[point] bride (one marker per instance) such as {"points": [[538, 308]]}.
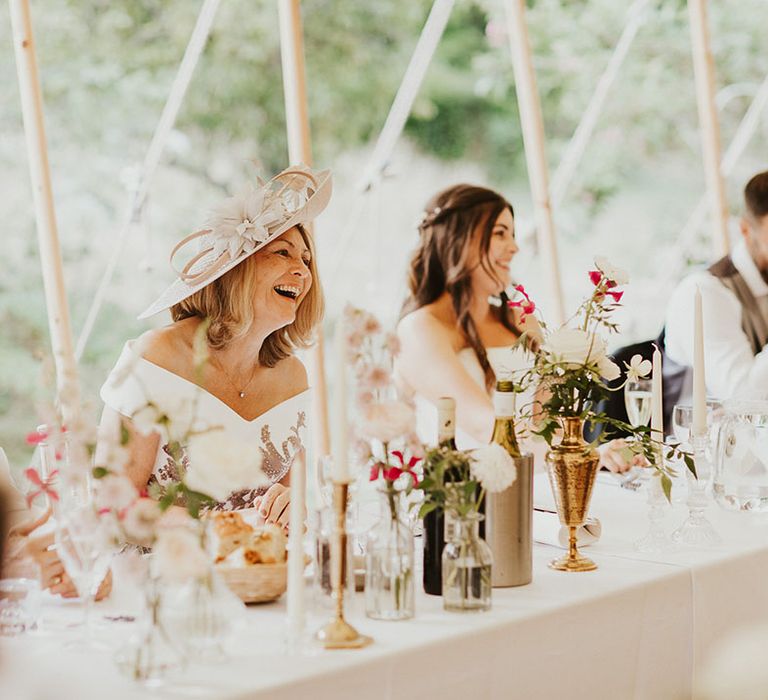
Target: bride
{"points": [[456, 330], [254, 281]]}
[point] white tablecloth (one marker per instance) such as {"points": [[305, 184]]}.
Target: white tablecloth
{"points": [[635, 628]]}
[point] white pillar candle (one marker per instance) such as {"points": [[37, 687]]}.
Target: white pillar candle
{"points": [[657, 415], [296, 603], [699, 426], [340, 442]]}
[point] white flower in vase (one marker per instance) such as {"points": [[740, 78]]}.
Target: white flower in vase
{"points": [[493, 467], [638, 368], [173, 417], [608, 368], [219, 466], [574, 347], [114, 492], [147, 419], [179, 555], [140, 521], [611, 272]]}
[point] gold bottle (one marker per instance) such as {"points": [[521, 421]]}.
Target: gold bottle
{"points": [[510, 513]]}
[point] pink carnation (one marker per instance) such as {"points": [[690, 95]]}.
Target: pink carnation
{"points": [[365, 397], [392, 344], [375, 377]]}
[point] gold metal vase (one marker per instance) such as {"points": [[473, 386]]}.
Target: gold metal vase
{"points": [[572, 466]]}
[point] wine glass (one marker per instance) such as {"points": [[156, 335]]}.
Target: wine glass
{"points": [[85, 548], [682, 421]]}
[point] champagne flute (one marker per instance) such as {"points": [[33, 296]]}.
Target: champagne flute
{"points": [[637, 400]]}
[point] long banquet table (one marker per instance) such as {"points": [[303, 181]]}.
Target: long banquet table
{"points": [[638, 627]]}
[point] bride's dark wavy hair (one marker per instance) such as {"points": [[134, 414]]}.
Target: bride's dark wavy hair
{"points": [[441, 264]]}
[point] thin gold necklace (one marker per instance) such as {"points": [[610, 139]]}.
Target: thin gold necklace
{"points": [[240, 391]]}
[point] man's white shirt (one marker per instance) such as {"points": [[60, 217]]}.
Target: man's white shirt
{"points": [[731, 368]]}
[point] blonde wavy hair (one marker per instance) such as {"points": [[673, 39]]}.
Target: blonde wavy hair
{"points": [[227, 303]]}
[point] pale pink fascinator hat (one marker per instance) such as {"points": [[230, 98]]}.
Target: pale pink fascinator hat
{"points": [[243, 224]]}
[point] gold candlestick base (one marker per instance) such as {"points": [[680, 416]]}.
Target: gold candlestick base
{"points": [[573, 561], [338, 633]]}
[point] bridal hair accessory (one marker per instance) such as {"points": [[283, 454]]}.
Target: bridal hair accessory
{"points": [[243, 224], [428, 217]]}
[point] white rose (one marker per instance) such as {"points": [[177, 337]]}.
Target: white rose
{"points": [[147, 419], [140, 520], [179, 556], [613, 273], [114, 492], [574, 347], [219, 465], [178, 416], [608, 368], [171, 416], [387, 420], [493, 467]]}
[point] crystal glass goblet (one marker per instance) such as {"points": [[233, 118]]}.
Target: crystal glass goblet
{"points": [[84, 545]]}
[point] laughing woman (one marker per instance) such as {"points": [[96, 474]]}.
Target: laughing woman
{"points": [[253, 280]]}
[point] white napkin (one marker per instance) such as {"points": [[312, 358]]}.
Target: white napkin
{"points": [[547, 529]]}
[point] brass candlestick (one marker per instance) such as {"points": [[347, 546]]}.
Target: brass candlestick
{"points": [[338, 633]]}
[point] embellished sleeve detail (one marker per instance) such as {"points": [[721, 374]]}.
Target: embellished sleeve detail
{"points": [[277, 457]]}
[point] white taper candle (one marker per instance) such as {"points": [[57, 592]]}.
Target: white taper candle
{"points": [[699, 426], [296, 603], [657, 414], [340, 439]]}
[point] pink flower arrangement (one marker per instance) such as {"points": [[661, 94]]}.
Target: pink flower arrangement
{"points": [[605, 278], [526, 304], [386, 422], [43, 487], [392, 473]]}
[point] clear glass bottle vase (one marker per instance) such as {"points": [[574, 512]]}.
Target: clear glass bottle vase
{"points": [[467, 562], [389, 562], [151, 653], [200, 613]]}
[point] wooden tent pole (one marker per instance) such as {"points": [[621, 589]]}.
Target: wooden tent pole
{"points": [[67, 383], [300, 151], [704, 71], [533, 138]]}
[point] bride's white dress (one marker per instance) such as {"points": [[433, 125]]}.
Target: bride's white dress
{"points": [[278, 432], [507, 360]]}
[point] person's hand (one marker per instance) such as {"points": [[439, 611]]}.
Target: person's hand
{"points": [[617, 456], [53, 575], [17, 561], [274, 505]]}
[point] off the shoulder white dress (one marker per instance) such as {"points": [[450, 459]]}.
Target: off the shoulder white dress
{"points": [[279, 432], [505, 361]]}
